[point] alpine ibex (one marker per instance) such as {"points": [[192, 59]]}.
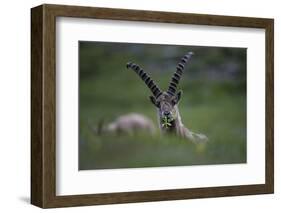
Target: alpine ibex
{"points": [[167, 102], [128, 124]]}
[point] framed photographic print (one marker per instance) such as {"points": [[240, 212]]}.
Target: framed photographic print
{"points": [[136, 106]]}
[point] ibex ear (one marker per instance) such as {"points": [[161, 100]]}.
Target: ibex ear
{"points": [[179, 95], [153, 100]]}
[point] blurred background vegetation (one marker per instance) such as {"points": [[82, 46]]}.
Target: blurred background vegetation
{"points": [[213, 103]]}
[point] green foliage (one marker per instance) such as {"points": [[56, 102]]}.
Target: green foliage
{"points": [[213, 103], [166, 122]]}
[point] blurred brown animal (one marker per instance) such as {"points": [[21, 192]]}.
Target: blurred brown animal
{"points": [[130, 124]]}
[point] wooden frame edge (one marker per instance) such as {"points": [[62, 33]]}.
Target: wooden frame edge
{"points": [[36, 106], [269, 121]]}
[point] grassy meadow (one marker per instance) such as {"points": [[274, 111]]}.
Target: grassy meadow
{"points": [[213, 103]]}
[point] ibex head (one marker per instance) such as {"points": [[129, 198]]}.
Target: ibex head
{"points": [[165, 101]]}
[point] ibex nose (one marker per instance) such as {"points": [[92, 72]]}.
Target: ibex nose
{"points": [[166, 113]]}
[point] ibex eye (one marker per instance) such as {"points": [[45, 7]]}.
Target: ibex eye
{"points": [[158, 104]]}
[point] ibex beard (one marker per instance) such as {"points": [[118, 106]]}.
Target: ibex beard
{"points": [[166, 102]]}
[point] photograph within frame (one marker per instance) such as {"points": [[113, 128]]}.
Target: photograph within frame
{"points": [[119, 127]]}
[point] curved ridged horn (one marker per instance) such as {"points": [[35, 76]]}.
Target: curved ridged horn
{"points": [[146, 78], [177, 75]]}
